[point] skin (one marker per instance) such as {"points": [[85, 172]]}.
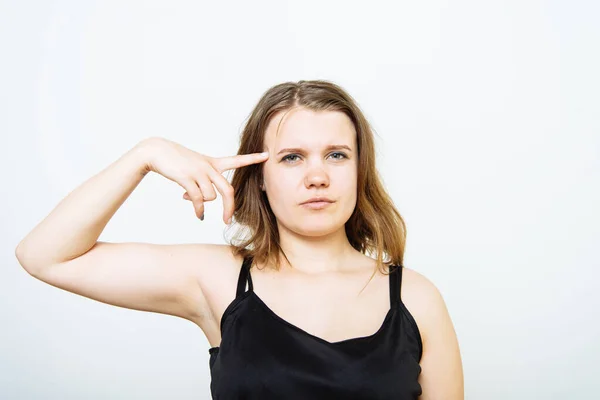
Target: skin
{"points": [[314, 240]]}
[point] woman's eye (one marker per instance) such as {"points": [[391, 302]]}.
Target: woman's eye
{"points": [[289, 156], [342, 154]]}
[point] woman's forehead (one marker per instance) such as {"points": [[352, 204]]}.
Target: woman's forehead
{"points": [[307, 128]]}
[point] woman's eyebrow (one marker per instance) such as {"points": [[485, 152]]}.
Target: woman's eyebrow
{"points": [[330, 147]]}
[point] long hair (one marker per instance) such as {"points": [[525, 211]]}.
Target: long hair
{"points": [[375, 226]]}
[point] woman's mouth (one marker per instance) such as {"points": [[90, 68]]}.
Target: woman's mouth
{"points": [[317, 205]]}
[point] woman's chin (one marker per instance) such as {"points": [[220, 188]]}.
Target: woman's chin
{"points": [[316, 229]]}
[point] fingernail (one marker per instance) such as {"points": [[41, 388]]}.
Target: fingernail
{"points": [[202, 217], [229, 221]]}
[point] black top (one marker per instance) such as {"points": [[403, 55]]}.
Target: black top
{"points": [[263, 356]]}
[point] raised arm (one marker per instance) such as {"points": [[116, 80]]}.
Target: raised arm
{"points": [[63, 249]]}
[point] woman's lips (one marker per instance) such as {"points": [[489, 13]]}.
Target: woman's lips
{"points": [[317, 205]]}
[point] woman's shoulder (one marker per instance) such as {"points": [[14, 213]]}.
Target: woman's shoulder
{"points": [[423, 300], [216, 264], [441, 359]]}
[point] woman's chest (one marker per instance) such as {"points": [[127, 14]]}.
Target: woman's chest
{"points": [[331, 308]]}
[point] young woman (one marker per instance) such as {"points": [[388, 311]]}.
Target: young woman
{"points": [[310, 300]]}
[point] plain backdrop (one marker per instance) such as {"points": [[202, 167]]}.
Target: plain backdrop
{"points": [[487, 129]]}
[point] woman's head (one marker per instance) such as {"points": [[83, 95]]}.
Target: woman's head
{"points": [[298, 123], [312, 154]]}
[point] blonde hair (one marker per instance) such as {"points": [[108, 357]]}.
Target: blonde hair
{"points": [[375, 226]]}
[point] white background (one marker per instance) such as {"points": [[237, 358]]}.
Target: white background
{"points": [[487, 122]]}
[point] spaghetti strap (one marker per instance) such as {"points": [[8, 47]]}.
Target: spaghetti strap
{"points": [[244, 276], [395, 278]]}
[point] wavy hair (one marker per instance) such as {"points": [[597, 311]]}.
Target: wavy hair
{"points": [[375, 226]]}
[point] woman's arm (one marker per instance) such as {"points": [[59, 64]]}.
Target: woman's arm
{"points": [[63, 251], [441, 375], [75, 224]]}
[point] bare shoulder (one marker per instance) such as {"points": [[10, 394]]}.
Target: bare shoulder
{"points": [[441, 362], [216, 268], [422, 298], [214, 265], [211, 267], [207, 262]]}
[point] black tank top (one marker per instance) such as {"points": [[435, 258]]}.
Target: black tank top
{"points": [[263, 356]]}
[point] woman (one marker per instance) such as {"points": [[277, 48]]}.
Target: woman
{"points": [[295, 306]]}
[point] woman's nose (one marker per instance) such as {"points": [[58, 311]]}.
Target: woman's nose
{"points": [[316, 177]]}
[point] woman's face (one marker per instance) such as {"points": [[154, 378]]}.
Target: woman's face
{"points": [[302, 165]]}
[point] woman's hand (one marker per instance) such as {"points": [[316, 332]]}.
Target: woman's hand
{"points": [[197, 173]]}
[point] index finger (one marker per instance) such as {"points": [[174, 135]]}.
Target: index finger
{"points": [[241, 160]]}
